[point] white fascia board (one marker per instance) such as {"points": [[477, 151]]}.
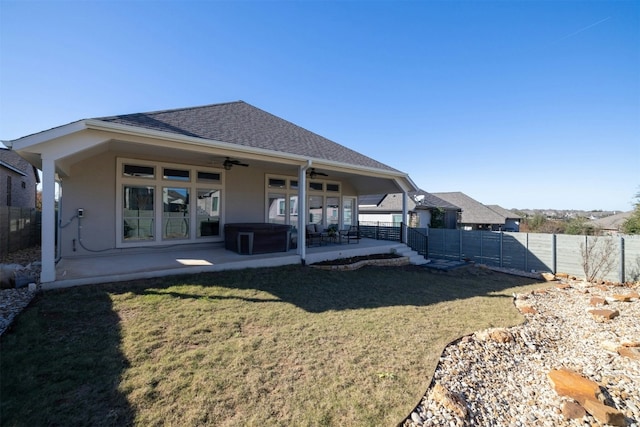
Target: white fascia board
{"points": [[41, 137]]}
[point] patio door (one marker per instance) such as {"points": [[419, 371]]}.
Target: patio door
{"points": [[162, 202]]}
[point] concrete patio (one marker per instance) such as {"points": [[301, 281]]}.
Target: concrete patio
{"points": [[188, 259]]}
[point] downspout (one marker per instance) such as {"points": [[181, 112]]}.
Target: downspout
{"points": [[302, 211]]}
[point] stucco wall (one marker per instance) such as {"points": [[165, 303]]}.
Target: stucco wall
{"points": [[91, 187]]}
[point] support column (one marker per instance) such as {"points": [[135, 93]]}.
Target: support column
{"points": [[302, 211], [48, 231], [405, 220]]}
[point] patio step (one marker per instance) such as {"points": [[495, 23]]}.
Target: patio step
{"points": [[414, 257]]}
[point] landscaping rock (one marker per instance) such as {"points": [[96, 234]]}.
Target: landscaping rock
{"points": [[601, 315], [508, 384], [572, 411], [570, 383]]}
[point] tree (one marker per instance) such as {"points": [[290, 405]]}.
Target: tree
{"points": [[598, 257], [632, 224], [580, 226]]}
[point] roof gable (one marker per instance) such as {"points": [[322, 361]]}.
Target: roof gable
{"points": [[504, 212], [427, 200], [243, 124], [473, 212]]}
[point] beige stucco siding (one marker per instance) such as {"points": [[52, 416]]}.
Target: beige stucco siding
{"points": [[244, 195], [90, 186]]}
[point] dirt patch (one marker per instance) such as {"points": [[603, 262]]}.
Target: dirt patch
{"points": [[353, 260]]}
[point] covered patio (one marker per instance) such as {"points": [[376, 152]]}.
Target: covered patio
{"points": [[133, 264]]}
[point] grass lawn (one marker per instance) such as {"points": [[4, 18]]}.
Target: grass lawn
{"points": [[278, 346]]}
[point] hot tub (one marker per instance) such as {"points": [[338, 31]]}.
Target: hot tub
{"points": [[257, 238]]}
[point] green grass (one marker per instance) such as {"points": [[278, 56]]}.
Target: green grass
{"points": [[280, 346]]}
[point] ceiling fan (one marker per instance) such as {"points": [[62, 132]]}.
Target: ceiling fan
{"points": [[229, 163], [313, 173]]}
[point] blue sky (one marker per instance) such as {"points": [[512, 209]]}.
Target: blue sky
{"points": [[525, 104]]}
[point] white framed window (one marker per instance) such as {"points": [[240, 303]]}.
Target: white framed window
{"points": [[282, 200], [159, 203]]}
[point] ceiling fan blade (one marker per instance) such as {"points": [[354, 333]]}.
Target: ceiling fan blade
{"points": [[229, 163], [315, 173]]}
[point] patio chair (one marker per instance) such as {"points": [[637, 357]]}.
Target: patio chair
{"points": [[314, 234], [350, 233]]}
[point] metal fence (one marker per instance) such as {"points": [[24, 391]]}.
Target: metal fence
{"points": [[380, 230], [539, 252], [418, 241], [19, 228]]}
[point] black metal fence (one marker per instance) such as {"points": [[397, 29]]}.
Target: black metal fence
{"points": [[418, 240], [380, 230]]}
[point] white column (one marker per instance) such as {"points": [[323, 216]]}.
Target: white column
{"points": [[48, 246], [405, 220], [302, 211]]}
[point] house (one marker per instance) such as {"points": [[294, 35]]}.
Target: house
{"points": [[612, 224], [476, 216], [511, 219], [176, 177], [18, 180], [424, 210]]}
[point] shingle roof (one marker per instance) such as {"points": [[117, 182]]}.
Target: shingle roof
{"points": [[371, 199], [612, 222], [243, 124], [504, 212], [429, 200], [393, 202], [473, 212]]}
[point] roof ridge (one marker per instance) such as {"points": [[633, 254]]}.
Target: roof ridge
{"points": [[172, 110]]}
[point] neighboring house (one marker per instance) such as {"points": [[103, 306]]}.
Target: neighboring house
{"points": [[178, 176], [18, 180], [612, 224], [511, 219], [423, 210], [476, 216]]}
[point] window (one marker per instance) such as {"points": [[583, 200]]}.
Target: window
{"points": [[208, 177], [138, 213], [208, 214], [323, 202], [138, 171], [176, 174], [282, 200], [348, 206], [175, 218], [333, 211], [317, 186], [181, 203], [277, 183], [315, 209]]}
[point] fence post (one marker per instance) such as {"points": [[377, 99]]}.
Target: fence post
{"points": [[621, 270], [526, 254], [501, 243], [460, 247], [554, 254]]}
